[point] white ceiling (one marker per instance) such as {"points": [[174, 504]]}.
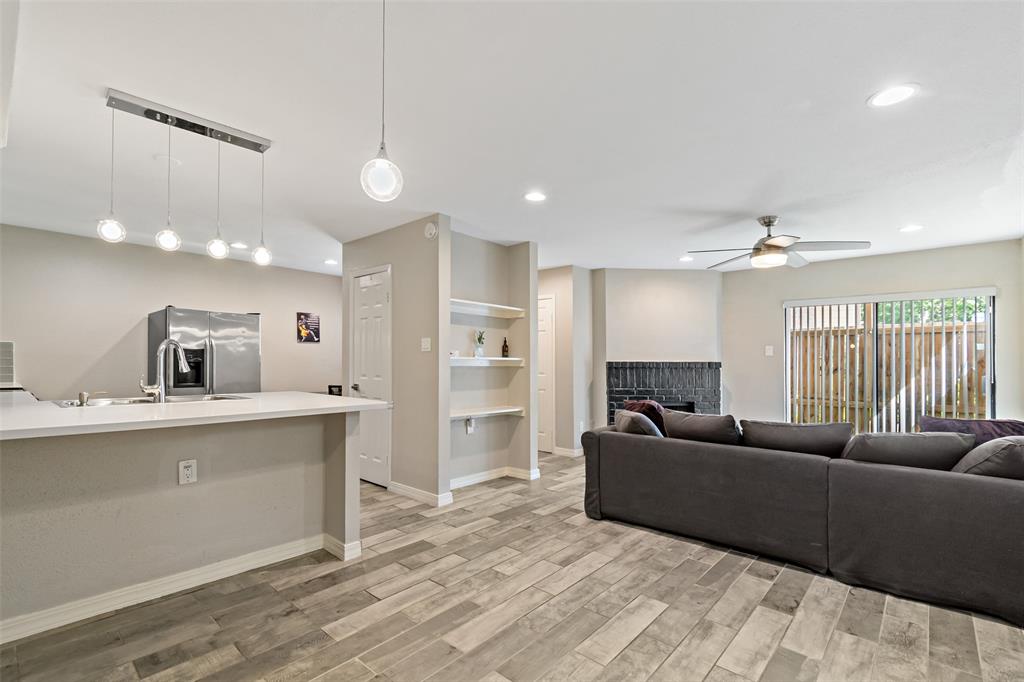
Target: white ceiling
{"points": [[653, 127]]}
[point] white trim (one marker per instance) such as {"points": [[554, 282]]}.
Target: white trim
{"points": [[500, 472], [905, 296], [568, 452], [342, 550], [421, 495], [27, 624]]}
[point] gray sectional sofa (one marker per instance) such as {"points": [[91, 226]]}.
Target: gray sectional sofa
{"points": [[940, 536]]}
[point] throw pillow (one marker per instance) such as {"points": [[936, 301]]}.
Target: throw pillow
{"points": [[707, 428], [984, 430], [815, 439], [1003, 457], [650, 409], [920, 450], [634, 422]]}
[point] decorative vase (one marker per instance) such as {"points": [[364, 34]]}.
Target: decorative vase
{"points": [[478, 352]]}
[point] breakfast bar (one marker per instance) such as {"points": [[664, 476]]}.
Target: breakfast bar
{"points": [[93, 517]]}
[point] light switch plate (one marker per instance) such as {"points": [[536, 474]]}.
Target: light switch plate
{"points": [[425, 344], [769, 351], [188, 472]]}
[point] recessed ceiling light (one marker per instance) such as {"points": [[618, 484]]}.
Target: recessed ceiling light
{"points": [[893, 95], [911, 228], [330, 261], [685, 259], [239, 245], [535, 196]]}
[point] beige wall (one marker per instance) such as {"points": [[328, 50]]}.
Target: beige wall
{"points": [[650, 316], [84, 515], [574, 357], [76, 310], [752, 314], [419, 286]]}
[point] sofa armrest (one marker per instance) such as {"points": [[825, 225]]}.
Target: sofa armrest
{"points": [[592, 452]]}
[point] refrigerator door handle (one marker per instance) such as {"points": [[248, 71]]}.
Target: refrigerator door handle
{"points": [[210, 351]]}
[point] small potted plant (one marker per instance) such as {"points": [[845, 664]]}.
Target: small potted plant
{"points": [[478, 338]]}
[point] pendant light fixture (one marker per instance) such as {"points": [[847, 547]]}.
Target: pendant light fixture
{"points": [[261, 254], [167, 239], [381, 178], [217, 247], [110, 229]]}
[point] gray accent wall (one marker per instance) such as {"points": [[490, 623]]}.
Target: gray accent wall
{"points": [[76, 309]]}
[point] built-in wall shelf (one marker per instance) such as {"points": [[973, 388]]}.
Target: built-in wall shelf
{"points": [[461, 305], [486, 362], [479, 412]]}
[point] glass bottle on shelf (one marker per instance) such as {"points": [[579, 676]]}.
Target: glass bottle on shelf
{"points": [[504, 348]]}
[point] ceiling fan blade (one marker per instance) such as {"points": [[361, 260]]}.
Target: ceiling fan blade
{"points": [[795, 260], [830, 246], [782, 240], [735, 258], [745, 248]]}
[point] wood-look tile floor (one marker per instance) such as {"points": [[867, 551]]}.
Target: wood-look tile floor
{"points": [[513, 582]]}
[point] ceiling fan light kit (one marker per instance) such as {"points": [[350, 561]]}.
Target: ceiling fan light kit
{"points": [[772, 251]]}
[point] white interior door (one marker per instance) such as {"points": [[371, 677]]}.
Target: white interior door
{"points": [[546, 374], [371, 371]]}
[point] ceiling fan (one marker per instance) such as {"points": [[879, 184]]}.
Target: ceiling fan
{"points": [[771, 251]]}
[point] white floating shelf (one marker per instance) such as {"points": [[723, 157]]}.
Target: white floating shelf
{"points": [[480, 412], [461, 305], [486, 362]]}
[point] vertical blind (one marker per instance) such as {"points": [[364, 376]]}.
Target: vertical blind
{"points": [[882, 364]]}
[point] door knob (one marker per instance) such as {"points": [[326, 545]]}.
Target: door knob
{"points": [[354, 387]]}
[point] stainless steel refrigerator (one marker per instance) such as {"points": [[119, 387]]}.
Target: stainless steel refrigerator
{"points": [[223, 350]]}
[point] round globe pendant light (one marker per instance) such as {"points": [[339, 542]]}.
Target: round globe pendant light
{"points": [[381, 177], [167, 239], [110, 229], [217, 247], [261, 254]]}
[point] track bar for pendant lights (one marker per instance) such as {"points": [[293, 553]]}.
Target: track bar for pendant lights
{"points": [[185, 121]]}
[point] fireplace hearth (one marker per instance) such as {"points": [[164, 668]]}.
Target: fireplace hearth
{"points": [[684, 386]]}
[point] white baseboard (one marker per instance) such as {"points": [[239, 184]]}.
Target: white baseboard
{"points": [[501, 472], [421, 495], [39, 621], [342, 550], [568, 452]]}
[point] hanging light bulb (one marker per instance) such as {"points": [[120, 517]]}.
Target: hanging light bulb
{"points": [[217, 247], [381, 178], [109, 229], [261, 254], [167, 239]]}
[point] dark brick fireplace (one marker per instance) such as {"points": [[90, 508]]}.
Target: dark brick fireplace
{"points": [[676, 385]]}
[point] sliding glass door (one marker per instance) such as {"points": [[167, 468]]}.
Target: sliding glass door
{"points": [[883, 363]]}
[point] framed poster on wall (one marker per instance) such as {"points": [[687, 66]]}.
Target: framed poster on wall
{"points": [[307, 327]]}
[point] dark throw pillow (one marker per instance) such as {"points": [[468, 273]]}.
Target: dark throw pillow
{"points": [[814, 439], [650, 409], [634, 422], [706, 428], [920, 450], [1002, 457], [983, 430]]}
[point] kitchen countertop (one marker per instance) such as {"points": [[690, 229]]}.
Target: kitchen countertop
{"points": [[43, 418]]}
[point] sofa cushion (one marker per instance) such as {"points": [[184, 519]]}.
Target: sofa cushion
{"points": [[920, 450], [815, 439], [634, 422], [706, 428], [650, 409], [1002, 457], [984, 430]]}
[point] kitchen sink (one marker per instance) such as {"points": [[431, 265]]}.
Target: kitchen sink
{"points": [[106, 402]]}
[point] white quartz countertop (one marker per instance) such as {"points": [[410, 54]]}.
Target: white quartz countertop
{"points": [[44, 418]]}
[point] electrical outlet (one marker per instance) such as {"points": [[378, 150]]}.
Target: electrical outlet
{"points": [[769, 351], [470, 426], [188, 472]]}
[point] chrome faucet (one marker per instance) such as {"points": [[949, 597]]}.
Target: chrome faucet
{"points": [[159, 390]]}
